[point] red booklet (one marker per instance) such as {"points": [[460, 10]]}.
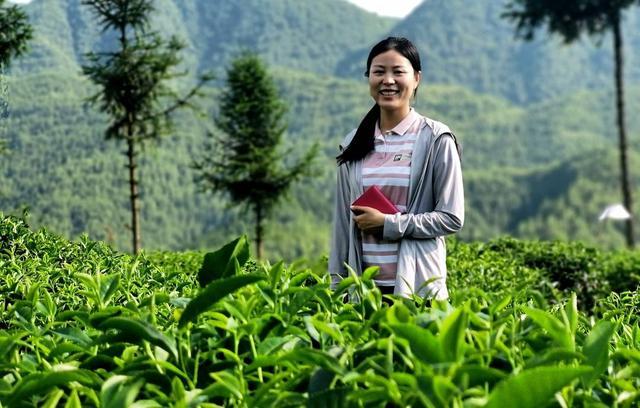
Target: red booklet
{"points": [[374, 198]]}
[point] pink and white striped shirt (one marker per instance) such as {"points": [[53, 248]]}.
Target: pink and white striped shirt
{"points": [[388, 167]]}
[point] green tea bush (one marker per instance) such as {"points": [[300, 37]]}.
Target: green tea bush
{"points": [[622, 270], [85, 326], [570, 267], [491, 268]]}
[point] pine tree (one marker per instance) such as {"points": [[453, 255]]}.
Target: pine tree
{"points": [[570, 19], [15, 32], [246, 161], [132, 83]]}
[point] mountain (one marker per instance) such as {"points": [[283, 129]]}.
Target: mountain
{"points": [[466, 42], [299, 34], [531, 169], [462, 42], [74, 181], [560, 201]]}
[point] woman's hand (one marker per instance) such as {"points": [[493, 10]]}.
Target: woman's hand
{"points": [[367, 218]]}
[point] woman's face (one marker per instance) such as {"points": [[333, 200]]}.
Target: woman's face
{"points": [[392, 81]]}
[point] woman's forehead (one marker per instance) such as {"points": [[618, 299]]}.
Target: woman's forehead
{"points": [[390, 58]]}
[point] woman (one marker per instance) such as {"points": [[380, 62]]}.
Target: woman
{"points": [[415, 162]]}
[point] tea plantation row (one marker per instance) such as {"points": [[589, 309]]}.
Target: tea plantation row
{"points": [[528, 325]]}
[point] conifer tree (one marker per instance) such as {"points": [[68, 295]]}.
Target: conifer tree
{"points": [[246, 161], [133, 84], [571, 19], [15, 32]]}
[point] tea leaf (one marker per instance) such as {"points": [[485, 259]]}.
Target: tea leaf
{"points": [[533, 388], [39, 383], [215, 291], [220, 264], [558, 331], [422, 342], [596, 349], [452, 334], [119, 391]]}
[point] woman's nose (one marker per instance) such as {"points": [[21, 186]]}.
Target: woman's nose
{"points": [[388, 79]]}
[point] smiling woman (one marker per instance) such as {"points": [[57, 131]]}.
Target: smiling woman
{"points": [[414, 162]]}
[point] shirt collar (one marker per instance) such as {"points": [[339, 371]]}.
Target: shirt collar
{"points": [[402, 127]]}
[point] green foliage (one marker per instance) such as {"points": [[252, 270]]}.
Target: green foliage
{"points": [[278, 335], [132, 83], [516, 268], [246, 162], [472, 46], [529, 170], [570, 266], [570, 19], [16, 32]]}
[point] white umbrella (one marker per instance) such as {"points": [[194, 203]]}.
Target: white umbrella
{"points": [[614, 212]]}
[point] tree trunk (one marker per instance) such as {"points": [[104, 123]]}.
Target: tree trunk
{"points": [[624, 166], [133, 194], [259, 229]]}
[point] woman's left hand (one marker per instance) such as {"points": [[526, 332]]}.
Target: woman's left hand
{"points": [[367, 218]]}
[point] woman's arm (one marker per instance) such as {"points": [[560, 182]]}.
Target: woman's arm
{"points": [[448, 214]]}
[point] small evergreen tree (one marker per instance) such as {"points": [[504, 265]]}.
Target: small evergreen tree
{"points": [[132, 83], [15, 32], [570, 19], [247, 162]]}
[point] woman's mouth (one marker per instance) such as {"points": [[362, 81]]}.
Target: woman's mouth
{"points": [[388, 92]]}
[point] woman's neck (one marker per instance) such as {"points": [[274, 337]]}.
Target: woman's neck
{"points": [[390, 119]]}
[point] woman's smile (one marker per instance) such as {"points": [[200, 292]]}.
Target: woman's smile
{"points": [[389, 92]]}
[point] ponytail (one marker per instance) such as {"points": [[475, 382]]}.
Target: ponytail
{"points": [[363, 141]]}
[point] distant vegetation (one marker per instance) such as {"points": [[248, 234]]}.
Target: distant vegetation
{"points": [[538, 165]]}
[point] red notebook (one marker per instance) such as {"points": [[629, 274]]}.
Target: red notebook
{"points": [[374, 198]]}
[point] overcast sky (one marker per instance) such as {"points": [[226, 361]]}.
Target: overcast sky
{"points": [[395, 8]]}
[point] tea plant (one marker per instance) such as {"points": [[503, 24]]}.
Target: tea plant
{"points": [[83, 325]]}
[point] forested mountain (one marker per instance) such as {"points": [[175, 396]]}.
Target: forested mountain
{"points": [[463, 42], [466, 42], [300, 34], [539, 143]]}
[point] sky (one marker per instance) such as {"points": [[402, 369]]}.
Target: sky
{"points": [[394, 8]]}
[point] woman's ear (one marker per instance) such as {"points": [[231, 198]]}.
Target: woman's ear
{"points": [[418, 77]]}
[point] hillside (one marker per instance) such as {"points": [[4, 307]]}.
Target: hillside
{"points": [[517, 158], [463, 42], [73, 181], [466, 42], [300, 34], [560, 201]]}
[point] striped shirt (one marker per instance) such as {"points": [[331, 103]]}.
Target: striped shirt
{"points": [[388, 167]]}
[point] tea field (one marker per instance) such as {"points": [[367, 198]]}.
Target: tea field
{"points": [[528, 324]]}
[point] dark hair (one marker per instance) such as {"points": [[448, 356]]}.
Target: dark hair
{"points": [[362, 142]]}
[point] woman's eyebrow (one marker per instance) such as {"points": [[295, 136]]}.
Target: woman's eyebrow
{"points": [[384, 66]]}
